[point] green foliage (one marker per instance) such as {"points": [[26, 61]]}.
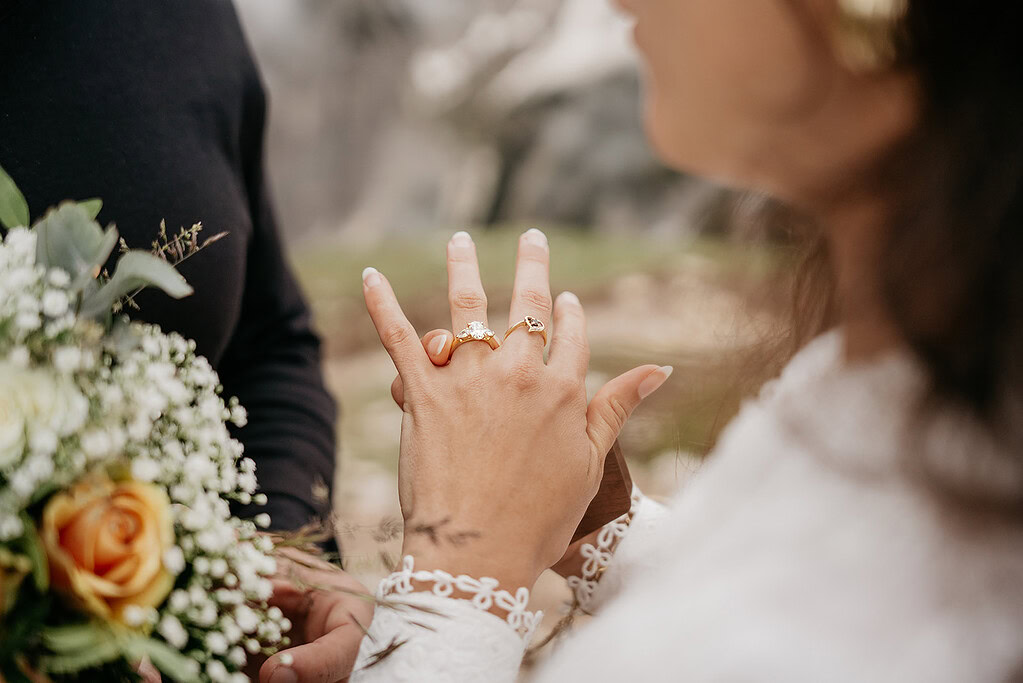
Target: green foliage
{"points": [[13, 207], [76, 660], [135, 270], [170, 662], [77, 647], [92, 206], [74, 637], [68, 238], [20, 628], [32, 547]]}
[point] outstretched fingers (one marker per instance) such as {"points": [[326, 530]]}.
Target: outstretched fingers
{"points": [[395, 331], [613, 405], [465, 289], [531, 295]]}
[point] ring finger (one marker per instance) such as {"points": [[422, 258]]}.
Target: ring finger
{"points": [[531, 295], [465, 289]]}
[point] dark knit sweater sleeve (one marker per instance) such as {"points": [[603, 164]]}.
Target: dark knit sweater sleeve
{"points": [[272, 362]]}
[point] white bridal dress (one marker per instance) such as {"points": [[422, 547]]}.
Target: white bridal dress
{"points": [[807, 549]]}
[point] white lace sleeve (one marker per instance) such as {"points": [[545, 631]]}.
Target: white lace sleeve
{"points": [[620, 550], [434, 636]]}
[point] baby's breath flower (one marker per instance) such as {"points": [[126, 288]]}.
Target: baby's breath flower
{"points": [[217, 672], [58, 277], [95, 443], [174, 560], [67, 359], [145, 469], [55, 303], [216, 643], [218, 568], [136, 616], [237, 656], [172, 631], [178, 601], [19, 356]]}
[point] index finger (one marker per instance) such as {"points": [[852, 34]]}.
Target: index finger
{"points": [[395, 331]]}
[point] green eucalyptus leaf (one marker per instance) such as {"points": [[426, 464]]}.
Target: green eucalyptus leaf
{"points": [[123, 337], [168, 660], [75, 637], [69, 238], [78, 660], [13, 207], [135, 270], [33, 548], [93, 206]]}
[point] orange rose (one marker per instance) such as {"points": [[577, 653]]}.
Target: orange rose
{"points": [[105, 543]]}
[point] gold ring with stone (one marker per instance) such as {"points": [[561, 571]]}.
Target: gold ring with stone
{"points": [[475, 331], [532, 325]]}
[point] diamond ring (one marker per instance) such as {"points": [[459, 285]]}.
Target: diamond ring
{"points": [[532, 325], [475, 331]]}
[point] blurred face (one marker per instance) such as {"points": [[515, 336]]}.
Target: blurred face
{"points": [[749, 92]]}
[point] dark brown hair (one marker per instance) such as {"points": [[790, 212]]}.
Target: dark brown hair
{"points": [[952, 275]]}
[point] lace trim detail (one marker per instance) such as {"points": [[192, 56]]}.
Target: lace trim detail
{"points": [[597, 558], [484, 592]]}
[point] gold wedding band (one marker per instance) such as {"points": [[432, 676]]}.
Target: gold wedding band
{"points": [[532, 325], [475, 331]]}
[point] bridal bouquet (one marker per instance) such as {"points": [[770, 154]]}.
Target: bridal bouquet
{"points": [[117, 544]]}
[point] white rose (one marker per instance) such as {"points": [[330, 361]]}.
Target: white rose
{"points": [[35, 401], [12, 416]]}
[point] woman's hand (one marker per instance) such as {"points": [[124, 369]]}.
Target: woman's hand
{"points": [[500, 453]]}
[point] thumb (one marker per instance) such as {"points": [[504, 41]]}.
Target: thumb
{"points": [[438, 346], [614, 403]]}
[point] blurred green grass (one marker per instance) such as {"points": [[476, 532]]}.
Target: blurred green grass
{"points": [[584, 262]]}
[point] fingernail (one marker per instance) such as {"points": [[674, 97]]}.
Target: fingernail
{"points": [[284, 674], [371, 277], [439, 344], [654, 381], [461, 238], [569, 298], [534, 236]]}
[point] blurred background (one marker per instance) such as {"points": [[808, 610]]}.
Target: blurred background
{"points": [[394, 123]]}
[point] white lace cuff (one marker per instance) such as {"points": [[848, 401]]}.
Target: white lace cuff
{"points": [[484, 594], [596, 559]]}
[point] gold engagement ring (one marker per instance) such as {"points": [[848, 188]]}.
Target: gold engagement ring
{"points": [[532, 325], [475, 331]]}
